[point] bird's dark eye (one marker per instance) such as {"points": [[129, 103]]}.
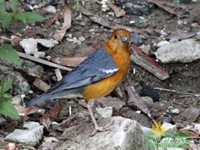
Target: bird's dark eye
{"points": [[115, 36]]}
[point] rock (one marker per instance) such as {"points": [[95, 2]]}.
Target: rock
{"points": [[2, 121], [20, 85], [174, 111], [197, 127], [149, 91], [184, 51], [32, 68], [116, 103], [50, 9], [148, 101], [123, 134], [146, 48], [189, 115], [16, 100], [29, 137], [162, 43], [30, 125], [145, 130], [168, 126], [105, 112], [49, 143]]}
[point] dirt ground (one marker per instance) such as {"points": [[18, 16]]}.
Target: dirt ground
{"points": [[184, 77]]}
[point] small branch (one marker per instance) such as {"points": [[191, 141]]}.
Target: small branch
{"points": [[41, 61], [178, 92]]}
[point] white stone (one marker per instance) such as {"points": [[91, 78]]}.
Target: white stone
{"points": [[50, 9], [162, 43], [30, 125], [29, 45], [105, 112], [29, 137], [16, 100], [197, 127], [168, 126], [174, 111], [184, 51]]}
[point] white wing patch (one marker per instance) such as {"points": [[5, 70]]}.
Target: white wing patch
{"points": [[109, 71]]}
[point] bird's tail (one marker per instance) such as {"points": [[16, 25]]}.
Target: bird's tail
{"points": [[50, 96], [38, 100]]}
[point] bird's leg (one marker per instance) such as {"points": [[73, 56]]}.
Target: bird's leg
{"points": [[97, 128]]}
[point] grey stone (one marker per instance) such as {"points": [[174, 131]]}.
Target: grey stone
{"points": [[30, 125], [29, 137], [184, 51], [105, 112], [123, 134], [2, 121]]}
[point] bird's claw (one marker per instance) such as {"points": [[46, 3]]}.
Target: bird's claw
{"points": [[101, 129]]}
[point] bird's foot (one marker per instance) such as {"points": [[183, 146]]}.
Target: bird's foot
{"points": [[101, 129]]}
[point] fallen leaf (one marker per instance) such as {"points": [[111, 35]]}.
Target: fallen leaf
{"points": [[22, 111], [58, 36], [117, 10], [55, 110], [69, 61], [49, 116]]}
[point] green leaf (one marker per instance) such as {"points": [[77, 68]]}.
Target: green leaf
{"points": [[2, 5], [6, 86], [28, 17], [8, 109], [8, 53], [5, 19], [14, 5]]}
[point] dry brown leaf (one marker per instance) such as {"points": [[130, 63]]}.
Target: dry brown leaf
{"points": [[117, 10], [53, 113], [22, 111], [48, 117], [41, 84], [69, 61], [58, 36]]}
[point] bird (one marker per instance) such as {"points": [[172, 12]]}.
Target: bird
{"points": [[97, 76]]}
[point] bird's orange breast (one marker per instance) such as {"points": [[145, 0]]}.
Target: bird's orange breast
{"points": [[107, 85]]}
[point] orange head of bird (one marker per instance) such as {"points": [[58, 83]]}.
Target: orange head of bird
{"points": [[119, 40]]}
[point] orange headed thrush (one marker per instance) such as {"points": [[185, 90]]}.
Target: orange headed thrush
{"points": [[96, 76]]}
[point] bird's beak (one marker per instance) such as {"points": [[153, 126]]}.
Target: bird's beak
{"points": [[125, 40]]}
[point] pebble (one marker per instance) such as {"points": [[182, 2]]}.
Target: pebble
{"points": [[175, 111], [105, 112]]}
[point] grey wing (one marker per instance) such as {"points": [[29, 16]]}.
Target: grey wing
{"points": [[95, 68]]}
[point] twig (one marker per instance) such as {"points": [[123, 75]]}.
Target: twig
{"points": [[44, 62], [161, 5], [178, 92]]}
